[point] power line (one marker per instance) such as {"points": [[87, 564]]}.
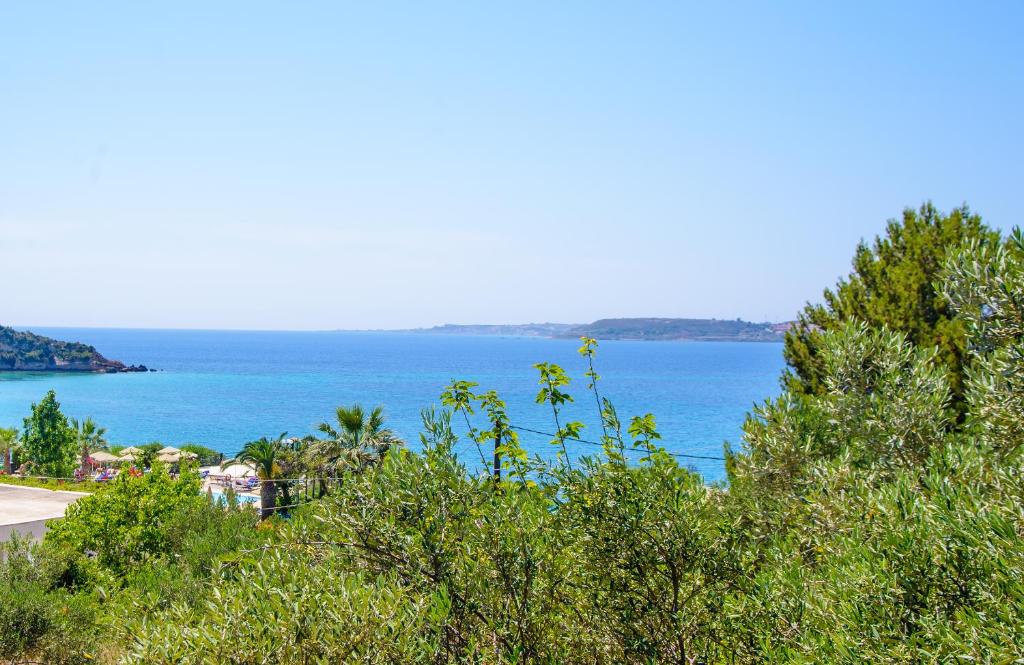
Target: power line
{"points": [[596, 443]]}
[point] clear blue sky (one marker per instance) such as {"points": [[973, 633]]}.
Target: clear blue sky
{"points": [[322, 165]]}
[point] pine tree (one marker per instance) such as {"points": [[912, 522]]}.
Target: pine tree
{"points": [[893, 284]]}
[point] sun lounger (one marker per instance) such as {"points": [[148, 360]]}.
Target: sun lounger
{"points": [[246, 484]]}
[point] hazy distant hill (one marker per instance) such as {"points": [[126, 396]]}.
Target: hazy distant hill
{"points": [[520, 330], [637, 328], [677, 329], [28, 352]]}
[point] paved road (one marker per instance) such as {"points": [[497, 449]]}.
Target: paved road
{"points": [[26, 509]]}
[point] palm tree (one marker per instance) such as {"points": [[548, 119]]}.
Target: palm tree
{"points": [[293, 461], [8, 444], [265, 454], [358, 440], [89, 438]]}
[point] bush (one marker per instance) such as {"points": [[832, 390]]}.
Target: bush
{"points": [[49, 484], [131, 519], [41, 615]]}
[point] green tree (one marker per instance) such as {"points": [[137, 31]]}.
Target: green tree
{"points": [[89, 437], [206, 456], [148, 455], [893, 284], [358, 439], [48, 438]]}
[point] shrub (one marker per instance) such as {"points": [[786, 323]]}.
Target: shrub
{"points": [[41, 615], [132, 519]]}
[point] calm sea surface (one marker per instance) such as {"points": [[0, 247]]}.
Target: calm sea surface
{"points": [[223, 388]]}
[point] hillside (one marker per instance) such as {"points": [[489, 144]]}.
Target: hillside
{"points": [[706, 330], [28, 352]]}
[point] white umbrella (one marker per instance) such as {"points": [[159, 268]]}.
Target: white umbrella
{"points": [[175, 457], [102, 456], [238, 471], [168, 450]]}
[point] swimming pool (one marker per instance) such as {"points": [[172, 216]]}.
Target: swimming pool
{"points": [[219, 497]]}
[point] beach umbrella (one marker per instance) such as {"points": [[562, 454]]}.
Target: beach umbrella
{"points": [[167, 450], [102, 457], [238, 471], [131, 450], [171, 458]]}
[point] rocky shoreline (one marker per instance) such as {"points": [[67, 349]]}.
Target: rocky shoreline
{"points": [[108, 367], [23, 351]]}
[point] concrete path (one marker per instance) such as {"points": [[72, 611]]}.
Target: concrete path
{"points": [[26, 509]]}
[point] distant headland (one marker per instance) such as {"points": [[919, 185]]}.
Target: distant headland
{"points": [[651, 329], [28, 352]]}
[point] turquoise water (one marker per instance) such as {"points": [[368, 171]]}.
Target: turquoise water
{"points": [[220, 497], [222, 388]]}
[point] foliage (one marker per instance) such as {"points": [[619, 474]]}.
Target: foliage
{"points": [[206, 456], [295, 607], [40, 613], [921, 567], [552, 379], [893, 284], [50, 483], [63, 602], [858, 525], [48, 438], [880, 534], [132, 519], [986, 285], [356, 440], [149, 453], [89, 437]]}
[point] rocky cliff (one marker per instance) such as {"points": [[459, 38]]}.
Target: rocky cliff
{"points": [[28, 352]]}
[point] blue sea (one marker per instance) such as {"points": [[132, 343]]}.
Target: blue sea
{"points": [[223, 388]]}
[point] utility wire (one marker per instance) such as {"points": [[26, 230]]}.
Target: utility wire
{"points": [[596, 443], [308, 479]]}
